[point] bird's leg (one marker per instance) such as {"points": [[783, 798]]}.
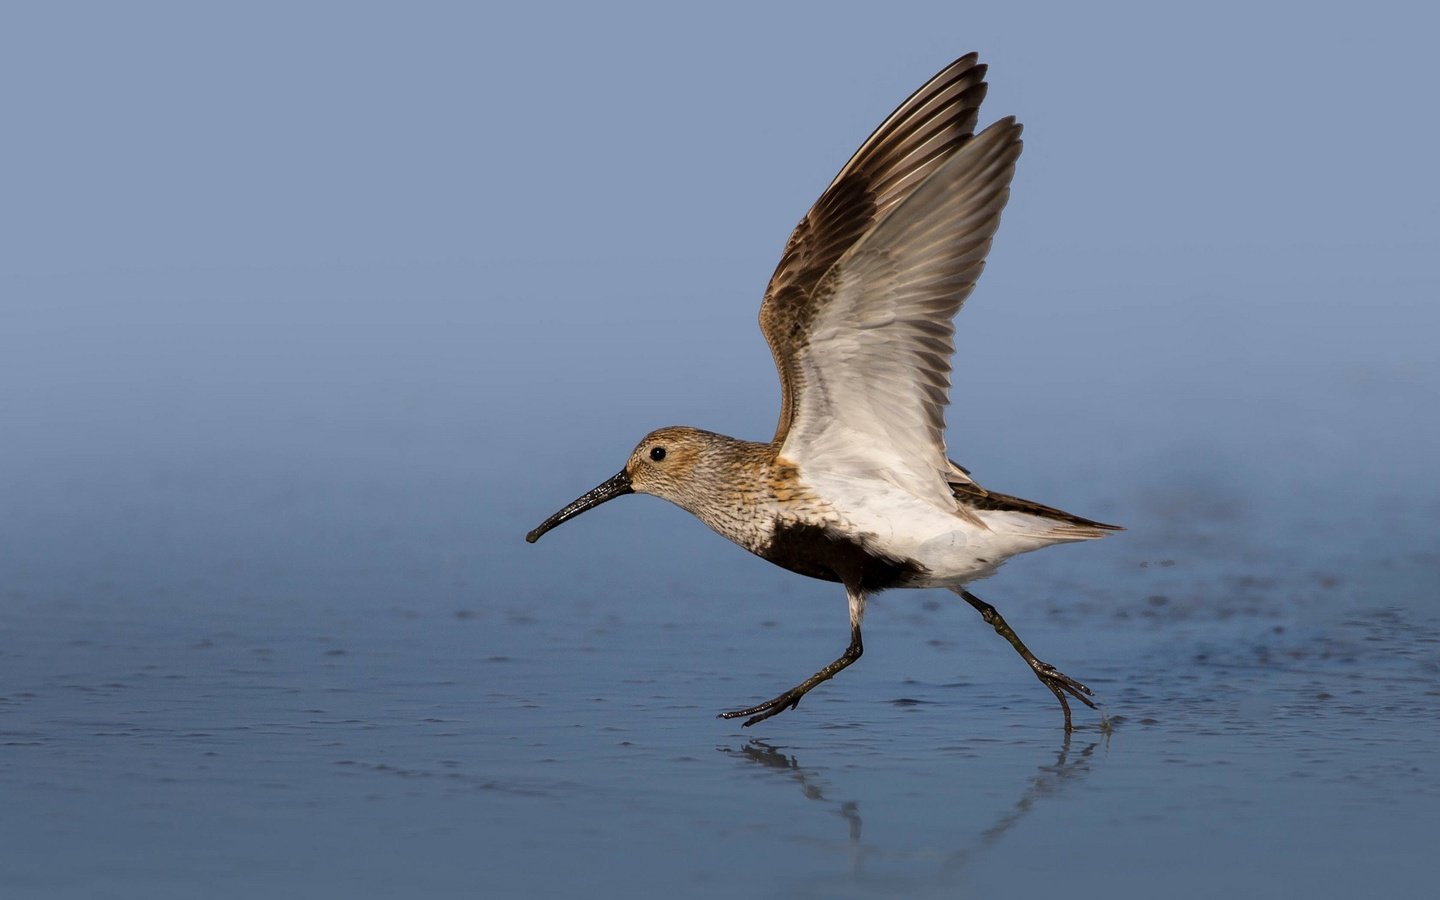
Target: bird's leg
{"points": [[791, 698], [1058, 682]]}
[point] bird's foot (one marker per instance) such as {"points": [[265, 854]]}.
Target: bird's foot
{"points": [[788, 700], [1061, 684]]}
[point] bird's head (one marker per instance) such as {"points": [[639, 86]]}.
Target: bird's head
{"points": [[664, 463]]}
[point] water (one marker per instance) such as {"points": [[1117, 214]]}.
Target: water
{"points": [[376, 702], [268, 626]]}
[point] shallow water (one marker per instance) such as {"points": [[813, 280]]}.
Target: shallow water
{"points": [[451, 718]]}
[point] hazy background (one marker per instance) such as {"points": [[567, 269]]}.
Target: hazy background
{"points": [[309, 311]]}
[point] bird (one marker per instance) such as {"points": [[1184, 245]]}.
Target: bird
{"points": [[857, 486]]}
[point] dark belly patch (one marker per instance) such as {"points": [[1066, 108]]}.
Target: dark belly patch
{"points": [[820, 553]]}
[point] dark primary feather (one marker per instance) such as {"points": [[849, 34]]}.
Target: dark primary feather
{"points": [[909, 145]]}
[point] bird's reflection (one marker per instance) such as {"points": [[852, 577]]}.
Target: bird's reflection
{"points": [[1071, 762], [811, 784]]}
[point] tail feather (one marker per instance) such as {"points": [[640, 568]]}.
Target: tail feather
{"points": [[1055, 522]]}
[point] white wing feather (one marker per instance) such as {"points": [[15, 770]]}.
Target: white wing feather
{"points": [[875, 364]]}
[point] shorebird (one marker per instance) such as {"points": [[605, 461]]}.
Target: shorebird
{"points": [[856, 486]]}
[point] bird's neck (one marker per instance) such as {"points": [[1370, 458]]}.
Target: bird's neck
{"points": [[733, 488]]}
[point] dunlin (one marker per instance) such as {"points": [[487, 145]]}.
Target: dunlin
{"points": [[856, 486]]}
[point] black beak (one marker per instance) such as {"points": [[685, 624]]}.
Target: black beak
{"points": [[609, 490]]}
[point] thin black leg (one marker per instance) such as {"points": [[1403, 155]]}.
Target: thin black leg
{"points": [[791, 698], [1058, 682]]}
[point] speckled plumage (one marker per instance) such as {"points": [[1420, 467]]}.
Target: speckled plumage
{"points": [[856, 486]]}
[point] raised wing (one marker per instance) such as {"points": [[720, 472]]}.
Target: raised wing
{"points": [[907, 147], [870, 370]]}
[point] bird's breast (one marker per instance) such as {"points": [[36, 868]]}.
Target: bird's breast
{"points": [[774, 513]]}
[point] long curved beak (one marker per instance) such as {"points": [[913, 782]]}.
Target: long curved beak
{"points": [[610, 489]]}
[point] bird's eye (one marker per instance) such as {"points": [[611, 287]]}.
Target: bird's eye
{"points": [[657, 453]]}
